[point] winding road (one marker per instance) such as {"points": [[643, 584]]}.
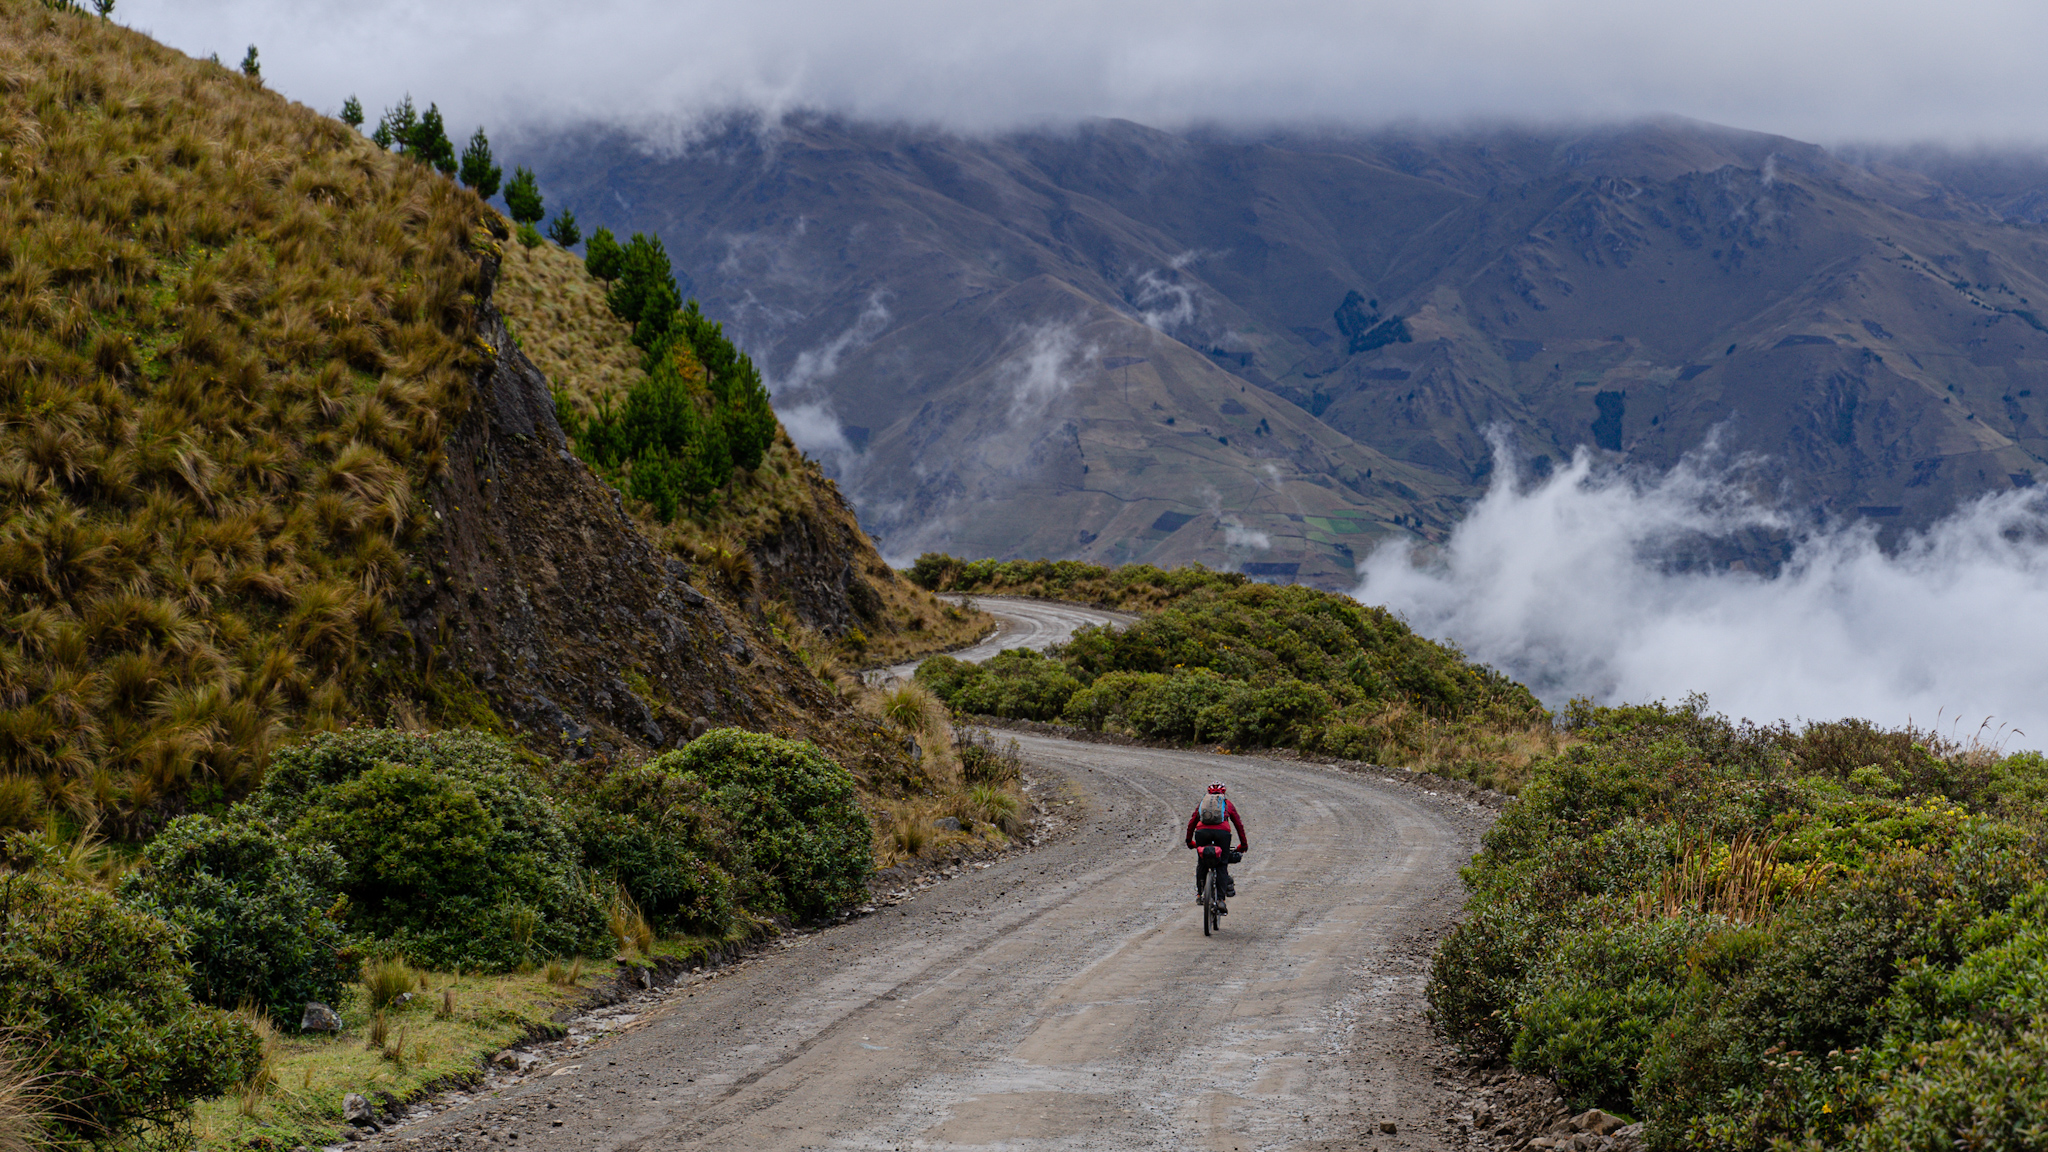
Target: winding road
{"points": [[1021, 623], [1063, 998]]}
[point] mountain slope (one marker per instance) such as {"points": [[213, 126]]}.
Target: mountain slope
{"points": [[273, 466], [945, 318]]}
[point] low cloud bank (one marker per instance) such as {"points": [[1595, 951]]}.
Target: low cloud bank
{"points": [[1569, 586], [1824, 69]]}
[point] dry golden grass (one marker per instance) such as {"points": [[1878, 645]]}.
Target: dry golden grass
{"points": [[232, 333]]}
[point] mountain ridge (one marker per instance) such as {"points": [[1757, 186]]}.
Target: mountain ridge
{"points": [[1635, 289]]}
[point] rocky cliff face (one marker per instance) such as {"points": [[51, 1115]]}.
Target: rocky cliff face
{"points": [[542, 591]]}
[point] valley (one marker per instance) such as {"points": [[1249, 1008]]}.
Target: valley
{"points": [[1270, 351]]}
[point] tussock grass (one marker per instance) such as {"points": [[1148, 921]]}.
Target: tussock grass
{"points": [[387, 978], [233, 335], [24, 1104], [628, 923]]}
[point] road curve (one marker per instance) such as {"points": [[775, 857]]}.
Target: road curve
{"points": [[1022, 623], [1063, 998]]}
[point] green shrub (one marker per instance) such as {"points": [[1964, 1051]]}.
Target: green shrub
{"points": [[98, 991], [672, 849], [454, 857], [1019, 683], [1190, 704], [1877, 984], [1106, 702], [1588, 1013], [944, 675], [795, 818], [254, 911]]}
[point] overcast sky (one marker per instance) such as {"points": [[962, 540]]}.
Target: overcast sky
{"points": [[1821, 70]]}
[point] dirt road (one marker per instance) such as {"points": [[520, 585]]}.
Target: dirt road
{"points": [[1023, 624], [1063, 998]]}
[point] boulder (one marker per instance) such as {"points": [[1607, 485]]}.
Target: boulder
{"points": [[357, 1111], [946, 824], [319, 1018], [515, 1061], [1597, 1122]]}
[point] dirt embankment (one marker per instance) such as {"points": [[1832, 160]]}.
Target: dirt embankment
{"points": [[578, 631]]}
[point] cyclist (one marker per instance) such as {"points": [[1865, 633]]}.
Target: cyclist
{"points": [[1211, 824]]}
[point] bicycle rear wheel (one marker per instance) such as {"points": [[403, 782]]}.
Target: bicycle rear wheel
{"points": [[1211, 919]]}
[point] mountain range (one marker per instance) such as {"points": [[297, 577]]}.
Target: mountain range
{"points": [[1272, 351]]}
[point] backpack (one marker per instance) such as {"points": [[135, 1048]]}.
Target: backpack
{"points": [[1212, 810]]}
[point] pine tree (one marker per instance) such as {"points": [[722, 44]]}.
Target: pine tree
{"points": [[382, 136], [563, 230], [602, 255], [430, 144], [522, 196], [104, 7], [399, 124], [250, 67], [352, 112], [477, 170]]}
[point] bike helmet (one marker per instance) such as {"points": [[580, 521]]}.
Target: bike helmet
{"points": [[1217, 790]]}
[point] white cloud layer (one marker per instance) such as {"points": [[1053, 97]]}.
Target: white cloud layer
{"points": [[1824, 70], [1562, 585]]}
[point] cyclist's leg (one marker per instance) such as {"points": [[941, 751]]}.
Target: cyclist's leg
{"points": [[1201, 871]]}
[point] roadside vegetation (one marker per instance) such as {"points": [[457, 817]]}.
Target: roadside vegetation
{"points": [[1749, 937], [1223, 660]]}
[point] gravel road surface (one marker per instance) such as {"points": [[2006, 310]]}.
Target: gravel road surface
{"points": [[1063, 998], [1022, 624]]}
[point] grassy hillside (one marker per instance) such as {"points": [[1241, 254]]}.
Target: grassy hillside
{"points": [[775, 529], [233, 336]]}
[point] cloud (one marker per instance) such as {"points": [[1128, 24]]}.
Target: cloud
{"points": [[1038, 374], [1569, 586], [1164, 304], [1825, 70], [814, 428], [813, 366]]}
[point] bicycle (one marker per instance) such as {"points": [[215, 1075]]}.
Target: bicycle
{"points": [[1212, 896]]}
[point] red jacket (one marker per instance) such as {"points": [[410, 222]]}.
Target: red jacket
{"points": [[1229, 810]]}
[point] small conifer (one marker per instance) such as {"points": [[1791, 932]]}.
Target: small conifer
{"points": [[104, 7], [352, 112], [563, 230], [602, 256], [430, 144], [478, 171], [250, 67], [522, 196]]}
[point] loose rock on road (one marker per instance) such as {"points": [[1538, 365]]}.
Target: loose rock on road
{"points": [[1065, 998]]}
